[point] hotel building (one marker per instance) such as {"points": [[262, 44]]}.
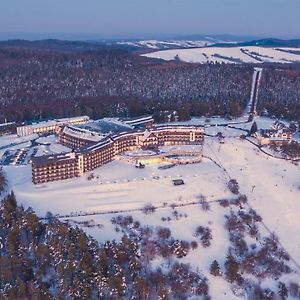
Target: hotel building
{"points": [[93, 150]]}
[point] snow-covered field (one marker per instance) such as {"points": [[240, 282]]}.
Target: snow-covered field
{"points": [[250, 54], [271, 185], [155, 44], [117, 186]]}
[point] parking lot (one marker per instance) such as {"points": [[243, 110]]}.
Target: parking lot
{"points": [[18, 157]]}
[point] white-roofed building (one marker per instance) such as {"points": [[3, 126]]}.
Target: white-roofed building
{"points": [[50, 126]]}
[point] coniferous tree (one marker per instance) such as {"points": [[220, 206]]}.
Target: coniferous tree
{"points": [[253, 128], [231, 268], [283, 291], [215, 268], [42, 260], [2, 181]]}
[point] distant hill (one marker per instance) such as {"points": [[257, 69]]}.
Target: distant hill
{"points": [[183, 41], [61, 45], [237, 54], [180, 42], [217, 37], [270, 42], [197, 41]]}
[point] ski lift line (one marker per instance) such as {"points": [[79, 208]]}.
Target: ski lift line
{"points": [[219, 161], [251, 107]]}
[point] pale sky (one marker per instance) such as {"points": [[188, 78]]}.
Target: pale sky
{"points": [[147, 18]]}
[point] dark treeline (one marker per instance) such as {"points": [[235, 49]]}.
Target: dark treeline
{"points": [[38, 84], [99, 107], [279, 92]]}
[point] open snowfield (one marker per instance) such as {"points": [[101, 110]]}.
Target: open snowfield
{"points": [[118, 188], [250, 54], [215, 124], [155, 44]]}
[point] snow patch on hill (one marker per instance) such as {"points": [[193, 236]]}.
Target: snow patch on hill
{"points": [[156, 44], [250, 54]]}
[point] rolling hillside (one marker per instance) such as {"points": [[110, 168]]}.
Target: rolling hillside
{"points": [[248, 54]]}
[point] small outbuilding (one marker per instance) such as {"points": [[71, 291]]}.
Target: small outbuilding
{"points": [[178, 182]]}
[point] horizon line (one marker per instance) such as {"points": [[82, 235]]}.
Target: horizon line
{"points": [[72, 36]]}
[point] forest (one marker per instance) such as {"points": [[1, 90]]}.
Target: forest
{"points": [[38, 84], [52, 260]]}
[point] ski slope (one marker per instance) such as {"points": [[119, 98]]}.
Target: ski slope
{"points": [[250, 54]]}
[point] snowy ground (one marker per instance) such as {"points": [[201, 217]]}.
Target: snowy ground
{"points": [[271, 185], [155, 44], [241, 122], [250, 54], [118, 186]]}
